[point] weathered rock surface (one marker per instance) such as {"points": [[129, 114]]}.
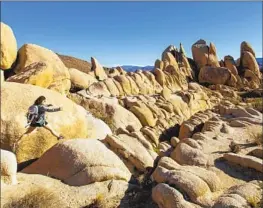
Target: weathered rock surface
{"points": [[158, 64], [215, 75], [165, 149], [241, 117], [245, 161], [36, 190], [131, 149], [204, 55], [225, 91], [144, 110], [253, 79], [230, 63], [37, 73], [80, 162], [197, 183], [112, 87], [245, 195], [8, 167], [143, 83], [30, 53], [174, 141], [98, 89], [121, 70], [113, 72], [249, 62], [249, 66], [168, 197], [98, 69], [157, 87], [258, 152], [72, 122], [144, 114], [8, 47], [189, 152], [108, 110], [169, 59], [80, 80], [213, 125], [245, 46], [195, 123], [125, 84], [2, 76]]}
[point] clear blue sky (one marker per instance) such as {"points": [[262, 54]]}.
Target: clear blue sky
{"points": [[134, 32]]}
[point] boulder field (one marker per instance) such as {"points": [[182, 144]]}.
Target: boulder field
{"points": [[186, 134]]}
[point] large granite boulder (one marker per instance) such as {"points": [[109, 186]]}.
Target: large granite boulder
{"points": [[204, 55], [31, 53], [72, 122], [80, 162], [8, 47]]}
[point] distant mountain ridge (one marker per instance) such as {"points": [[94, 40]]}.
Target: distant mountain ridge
{"points": [[132, 68], [85, 66]]}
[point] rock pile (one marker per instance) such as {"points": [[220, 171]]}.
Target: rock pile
{"points": [[176, 136]]}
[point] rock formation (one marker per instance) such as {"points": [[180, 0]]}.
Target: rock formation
{"points": [[80, 80], [72, 122], [204, 55], [98, 69], [52, 71], [80, 162], [160, 138], [8, 47], [8, 168]]}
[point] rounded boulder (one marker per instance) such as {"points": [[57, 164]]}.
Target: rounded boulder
{"points": [[80, 162]]}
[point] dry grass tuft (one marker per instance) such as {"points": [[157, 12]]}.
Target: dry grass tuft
{"points": [[256, 103], [254, 202], [37, 198], [256, 135], [98, 202]]}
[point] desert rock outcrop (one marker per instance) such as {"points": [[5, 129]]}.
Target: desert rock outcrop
{"points": [[8, 47], [72, 122], [31, 53], [204, 55], [80, 162], [8, 167], [98, 69]]}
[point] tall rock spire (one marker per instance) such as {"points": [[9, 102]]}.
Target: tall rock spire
{"points": [[182, 49]]}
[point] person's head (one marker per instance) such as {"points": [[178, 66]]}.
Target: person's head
{"points": [[40, 100]]}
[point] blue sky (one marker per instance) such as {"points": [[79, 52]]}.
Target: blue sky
{"points": [[118, 33]]}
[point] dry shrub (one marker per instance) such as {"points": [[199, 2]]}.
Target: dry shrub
{"points": [[254, 201], [37, 198], [255, 103], [256, 135], [98, 202]]}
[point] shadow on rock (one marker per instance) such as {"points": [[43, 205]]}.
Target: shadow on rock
{"points": [[236, 171]]}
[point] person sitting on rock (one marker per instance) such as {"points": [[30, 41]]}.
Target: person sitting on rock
{"points": [[36, 117]]}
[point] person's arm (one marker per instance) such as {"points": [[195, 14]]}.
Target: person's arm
{"points": [[52, 109]]}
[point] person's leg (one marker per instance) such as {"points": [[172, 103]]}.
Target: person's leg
{"points": [[29, 130], [48, 127]]}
